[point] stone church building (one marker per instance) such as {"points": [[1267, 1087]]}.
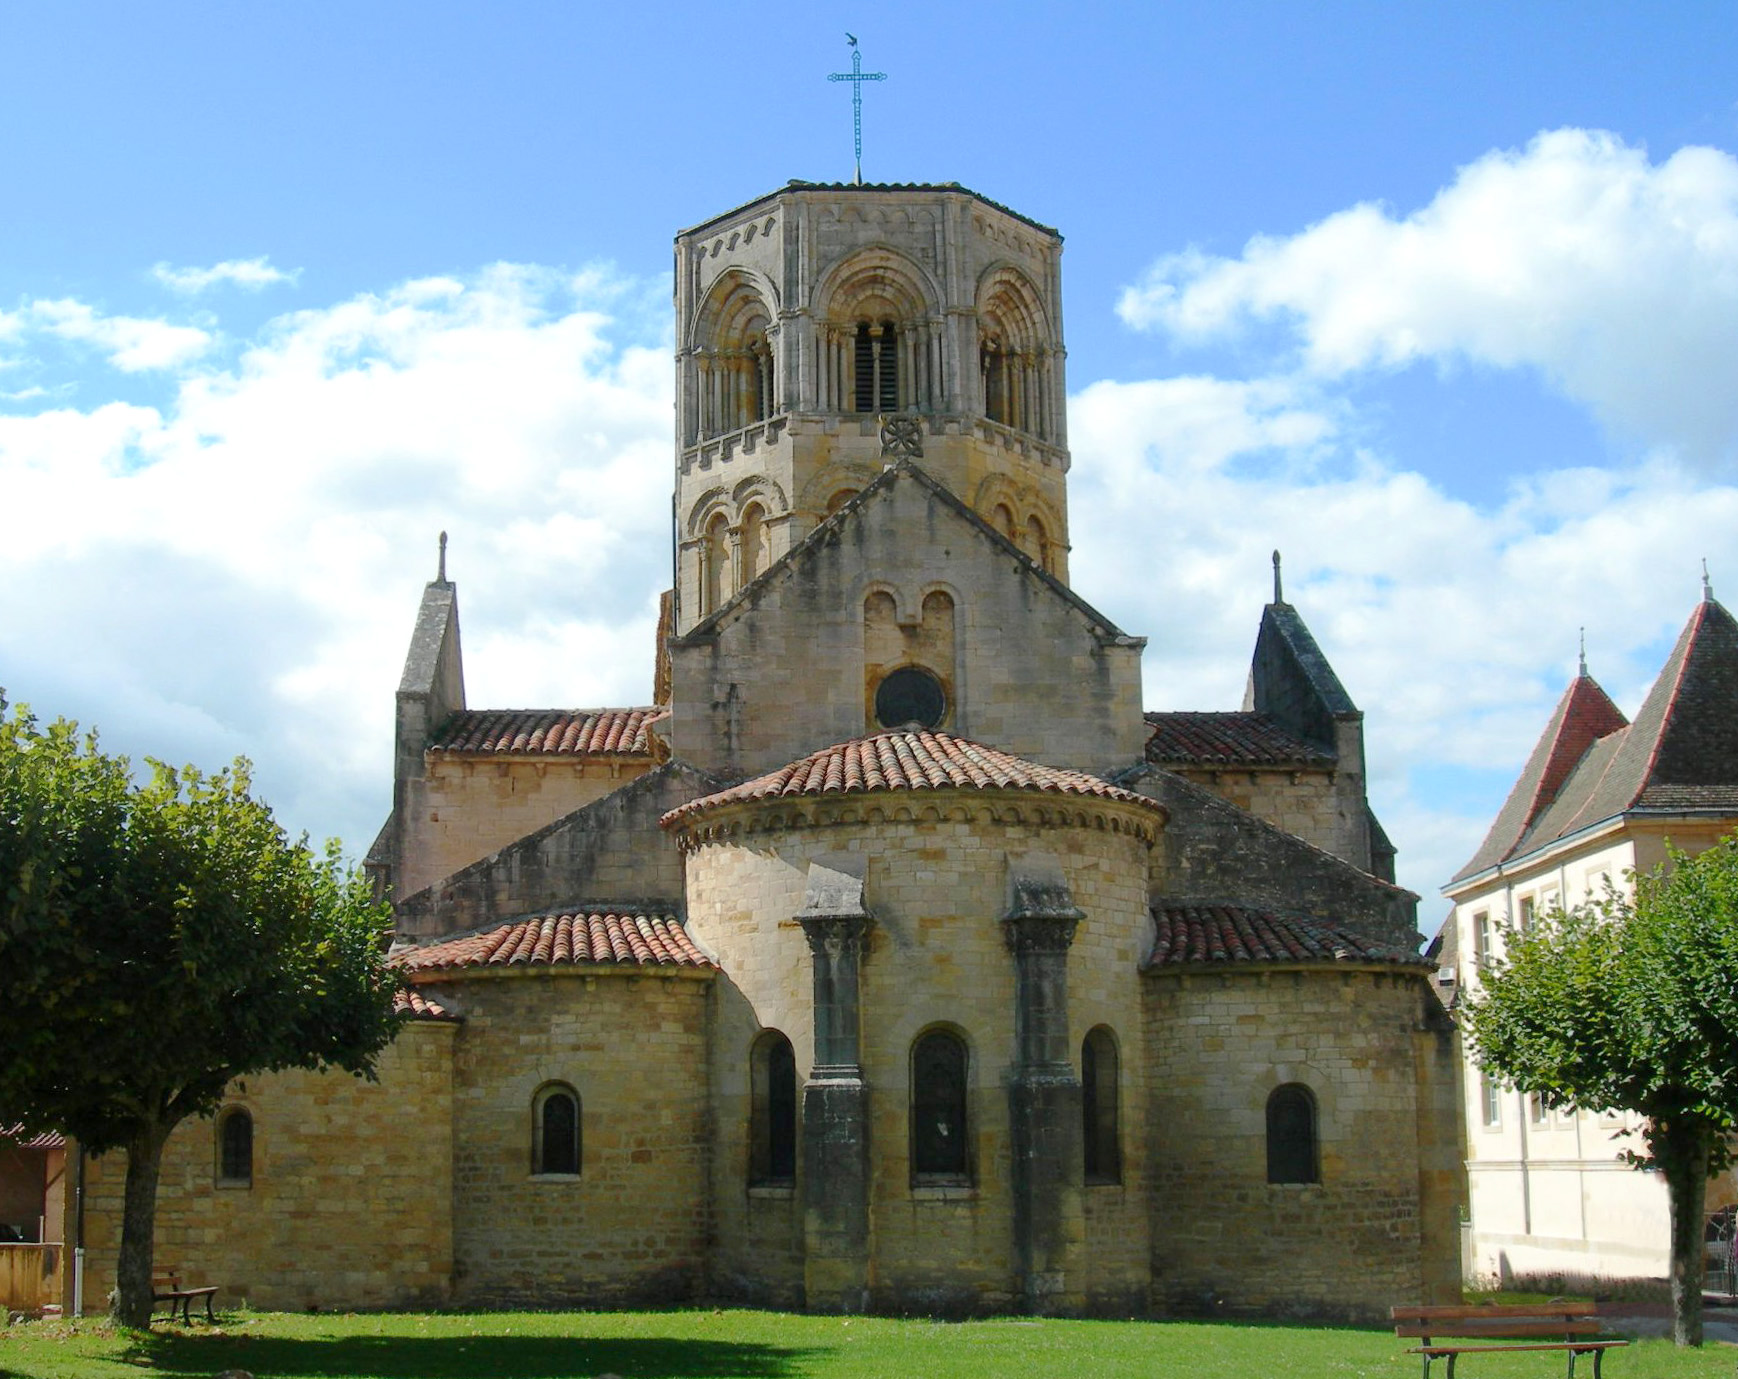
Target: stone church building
{"points": [[891, 956]]}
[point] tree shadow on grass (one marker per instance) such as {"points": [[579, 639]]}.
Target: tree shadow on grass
{"points": [[462, 1357]]}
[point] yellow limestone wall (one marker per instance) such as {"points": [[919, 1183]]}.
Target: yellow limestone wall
{"points": [[936, 885], [350, 1204]]}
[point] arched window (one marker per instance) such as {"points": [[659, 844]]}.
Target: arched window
{"points": [[839, 499], [1002, 519], [1291, 1136], [1037, 542], [772, 1128], [940, 1151], [555, 1130], [876, 372], [715, 560], [235, 1148], [1098, 1107], [997, 381], [754, 559]]}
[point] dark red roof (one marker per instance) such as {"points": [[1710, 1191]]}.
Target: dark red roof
{"points": [[563, 938], [48, 1139], [908, 759], [1186, 738], [549, 732], [1196, 935], [419, 1006], [1680, 754]]}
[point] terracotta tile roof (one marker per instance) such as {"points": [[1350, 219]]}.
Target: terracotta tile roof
{"points": [[549, 732], [908, 759], [1227, 739], [1681, 753], [48, 1139], [1190, 935], [563, 938], [419, 1006]]}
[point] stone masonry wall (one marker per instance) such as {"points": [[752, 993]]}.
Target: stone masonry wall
{"points": [[1224, 1238], [631, 1227], [350, 1204], [1303, 803], [462, 808], [935, 955]]}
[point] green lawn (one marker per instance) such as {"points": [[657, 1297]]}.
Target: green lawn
{"points": [[762, 1345]]}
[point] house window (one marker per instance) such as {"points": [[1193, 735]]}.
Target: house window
{"points": [[939, 1150], [1098, 1107], [772, 1130], [1491, 1097], [1537, 1111], [1291, 1135], [235, 1148], [555, 1130], [1482, 938], [1525, 922]]}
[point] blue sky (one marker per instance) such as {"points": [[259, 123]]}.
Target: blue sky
{"points": [[1442, 300]]}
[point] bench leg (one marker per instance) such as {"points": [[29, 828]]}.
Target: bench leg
{"points": [[211, 1317]]}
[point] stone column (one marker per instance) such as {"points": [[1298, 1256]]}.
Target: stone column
{"points": [[836, 1098], [1043, 1092]]}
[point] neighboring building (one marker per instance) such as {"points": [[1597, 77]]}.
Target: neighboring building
{"points": [[892, 957], [1599, 799]]}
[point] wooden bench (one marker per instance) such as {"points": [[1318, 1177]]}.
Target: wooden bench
{"points": [[1575, 1325], [166, 1287]]}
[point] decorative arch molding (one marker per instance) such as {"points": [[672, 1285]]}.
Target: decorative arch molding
{"points": [[817, 493], [878, 320], [762, 488], [1008, 303], [713, 500], [1004, 502], [1018, 358], [730, 353]]}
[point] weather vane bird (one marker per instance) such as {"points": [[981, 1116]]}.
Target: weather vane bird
{"points": [[857, 76]]}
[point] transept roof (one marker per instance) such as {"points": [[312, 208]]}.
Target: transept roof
{"points": [[1202, 935]]}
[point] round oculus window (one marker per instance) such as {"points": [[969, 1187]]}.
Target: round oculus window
{"points": [[910, 694]]}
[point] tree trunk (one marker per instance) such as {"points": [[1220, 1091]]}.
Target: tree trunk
{"points": [[132, 1302], [1686, 1170]]}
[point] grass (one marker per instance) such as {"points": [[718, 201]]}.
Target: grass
{"points": [[703, 1344]]}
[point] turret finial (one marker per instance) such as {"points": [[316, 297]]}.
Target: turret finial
{"points": [[1584, 653], [441, 578], [1278, 588], [1707, 584]]}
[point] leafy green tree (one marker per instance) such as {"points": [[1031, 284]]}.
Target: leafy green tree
{"points": [[157, 941], [1628, 1005]]}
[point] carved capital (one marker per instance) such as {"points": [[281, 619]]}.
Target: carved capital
{"points": [[1035, 933], [834, 936]]}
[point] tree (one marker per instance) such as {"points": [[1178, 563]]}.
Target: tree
{"points": [[157, 941], [1628, 1005]]}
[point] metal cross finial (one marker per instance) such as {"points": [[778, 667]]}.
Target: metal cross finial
{"points": [[441, 578], [857, 76], [1707, 584], [1278, 592], [1584, 653]]}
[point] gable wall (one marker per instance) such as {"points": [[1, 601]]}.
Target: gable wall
{"points": [[784, 675]]}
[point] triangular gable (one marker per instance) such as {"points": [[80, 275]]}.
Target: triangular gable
{"points": [[781, 670]]}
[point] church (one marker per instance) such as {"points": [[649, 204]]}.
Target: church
{"points": [[891, 957]]}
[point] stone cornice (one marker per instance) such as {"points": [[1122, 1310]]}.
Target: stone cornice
{"points": [[1029, 808]]}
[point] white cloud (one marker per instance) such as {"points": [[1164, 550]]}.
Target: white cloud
{"points": [[249, 274], [1613, 277], [132, 344]]}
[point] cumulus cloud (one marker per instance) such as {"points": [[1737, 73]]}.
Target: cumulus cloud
{"points": [[238, 569], [132, 344], [1614, 277], [248, 274]]}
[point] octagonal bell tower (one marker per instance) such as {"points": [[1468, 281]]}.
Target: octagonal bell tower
{"points": [[807, 318]]}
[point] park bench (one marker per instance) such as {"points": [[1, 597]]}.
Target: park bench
{"points": [[166, 1287], [1573, 1325]]}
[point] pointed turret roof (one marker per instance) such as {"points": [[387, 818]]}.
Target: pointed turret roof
{"points": [[1584, 714], [1680, 754]]}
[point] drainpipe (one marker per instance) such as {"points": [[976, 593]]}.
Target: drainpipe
{"points": [[78, 1235]]}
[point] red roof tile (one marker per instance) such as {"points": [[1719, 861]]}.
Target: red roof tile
{"points": [[1226, 739], [549, 732], [48, 1139], [1207, 934], [563, 939], [419, 1006], [908, 759]]}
